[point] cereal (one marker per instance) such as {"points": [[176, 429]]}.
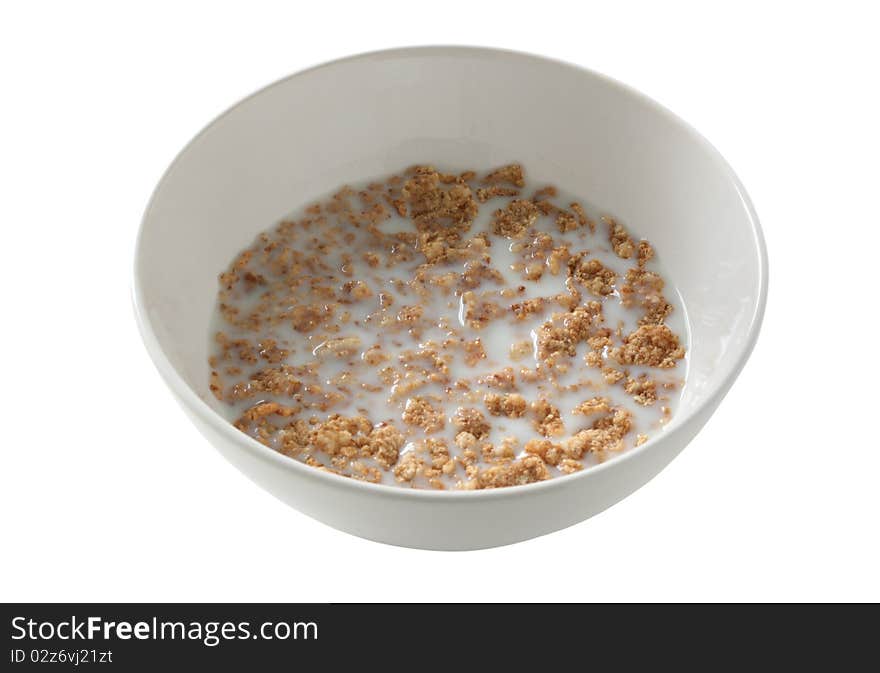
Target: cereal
{"points": [[547, 419], [525, 471], [514, 220], [447, 330], [594, 405], [651, 345], [621, 243], [592, 274], [421, 413], [512, 174], [511, 405], [471, 421]]}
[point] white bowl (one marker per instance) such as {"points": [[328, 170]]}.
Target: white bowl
{"points": [[370, 115]]}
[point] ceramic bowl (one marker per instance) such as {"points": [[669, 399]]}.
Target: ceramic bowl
{"points": [[372, 114]]}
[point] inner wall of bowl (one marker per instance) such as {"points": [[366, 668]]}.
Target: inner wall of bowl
{"points": [[370, 116]]}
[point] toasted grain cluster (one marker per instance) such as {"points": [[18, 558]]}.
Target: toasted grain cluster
{"points": [[621, 242], [603, 436], [514, 220], [650, 345], [511, 405], [424, 413], [367, 350], [547, 420], [592, 274]]}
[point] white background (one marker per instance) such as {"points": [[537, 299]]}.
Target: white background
{"points": [[109, 494]]}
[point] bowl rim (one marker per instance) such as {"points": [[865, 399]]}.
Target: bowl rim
{"points": [[193, 402]]}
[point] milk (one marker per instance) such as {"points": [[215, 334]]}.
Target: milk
{"points": [[447, 321]]}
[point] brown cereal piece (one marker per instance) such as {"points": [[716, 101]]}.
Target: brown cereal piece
{"points": [[651, 346], [529, 375], [594, 359], [546, 207], [548, 192], [524, 309], [283, 381], [438, 369], [470, 420], [341, 435], [268, 350], [408, 467], [621, 242], [511, 405], [411, 317], [576, 326], [527, 470], [216, 385], [640, 283], [546, 419], [618, 422], [476, 274], [511, 174], [338, 347], [548, 451], [520, 349], [645, 288], [645, 253], [242, 348], [486, 193], [501, 380], [465, 440], [406, 385], [557, 258], [594, 405], [583, 219], [365, 473], [356, 290], [592, 274], [600, 339], [293, 439], [374, 355], [533, 270], [430, 204], [384, 444], [554, 341], [541, 243], [656, 310], [640, 439], [642, 388], [502, 453], [386, 299], [264, 409], [306, 317], [570, 466], [439, 461], [583, 320], [612, 375], [515, 220], [448, 281], [420, 412], [566, 221], [440, 214], [371, 258], [388, 375], [605, 435], [568, 300], [479, 311]]}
